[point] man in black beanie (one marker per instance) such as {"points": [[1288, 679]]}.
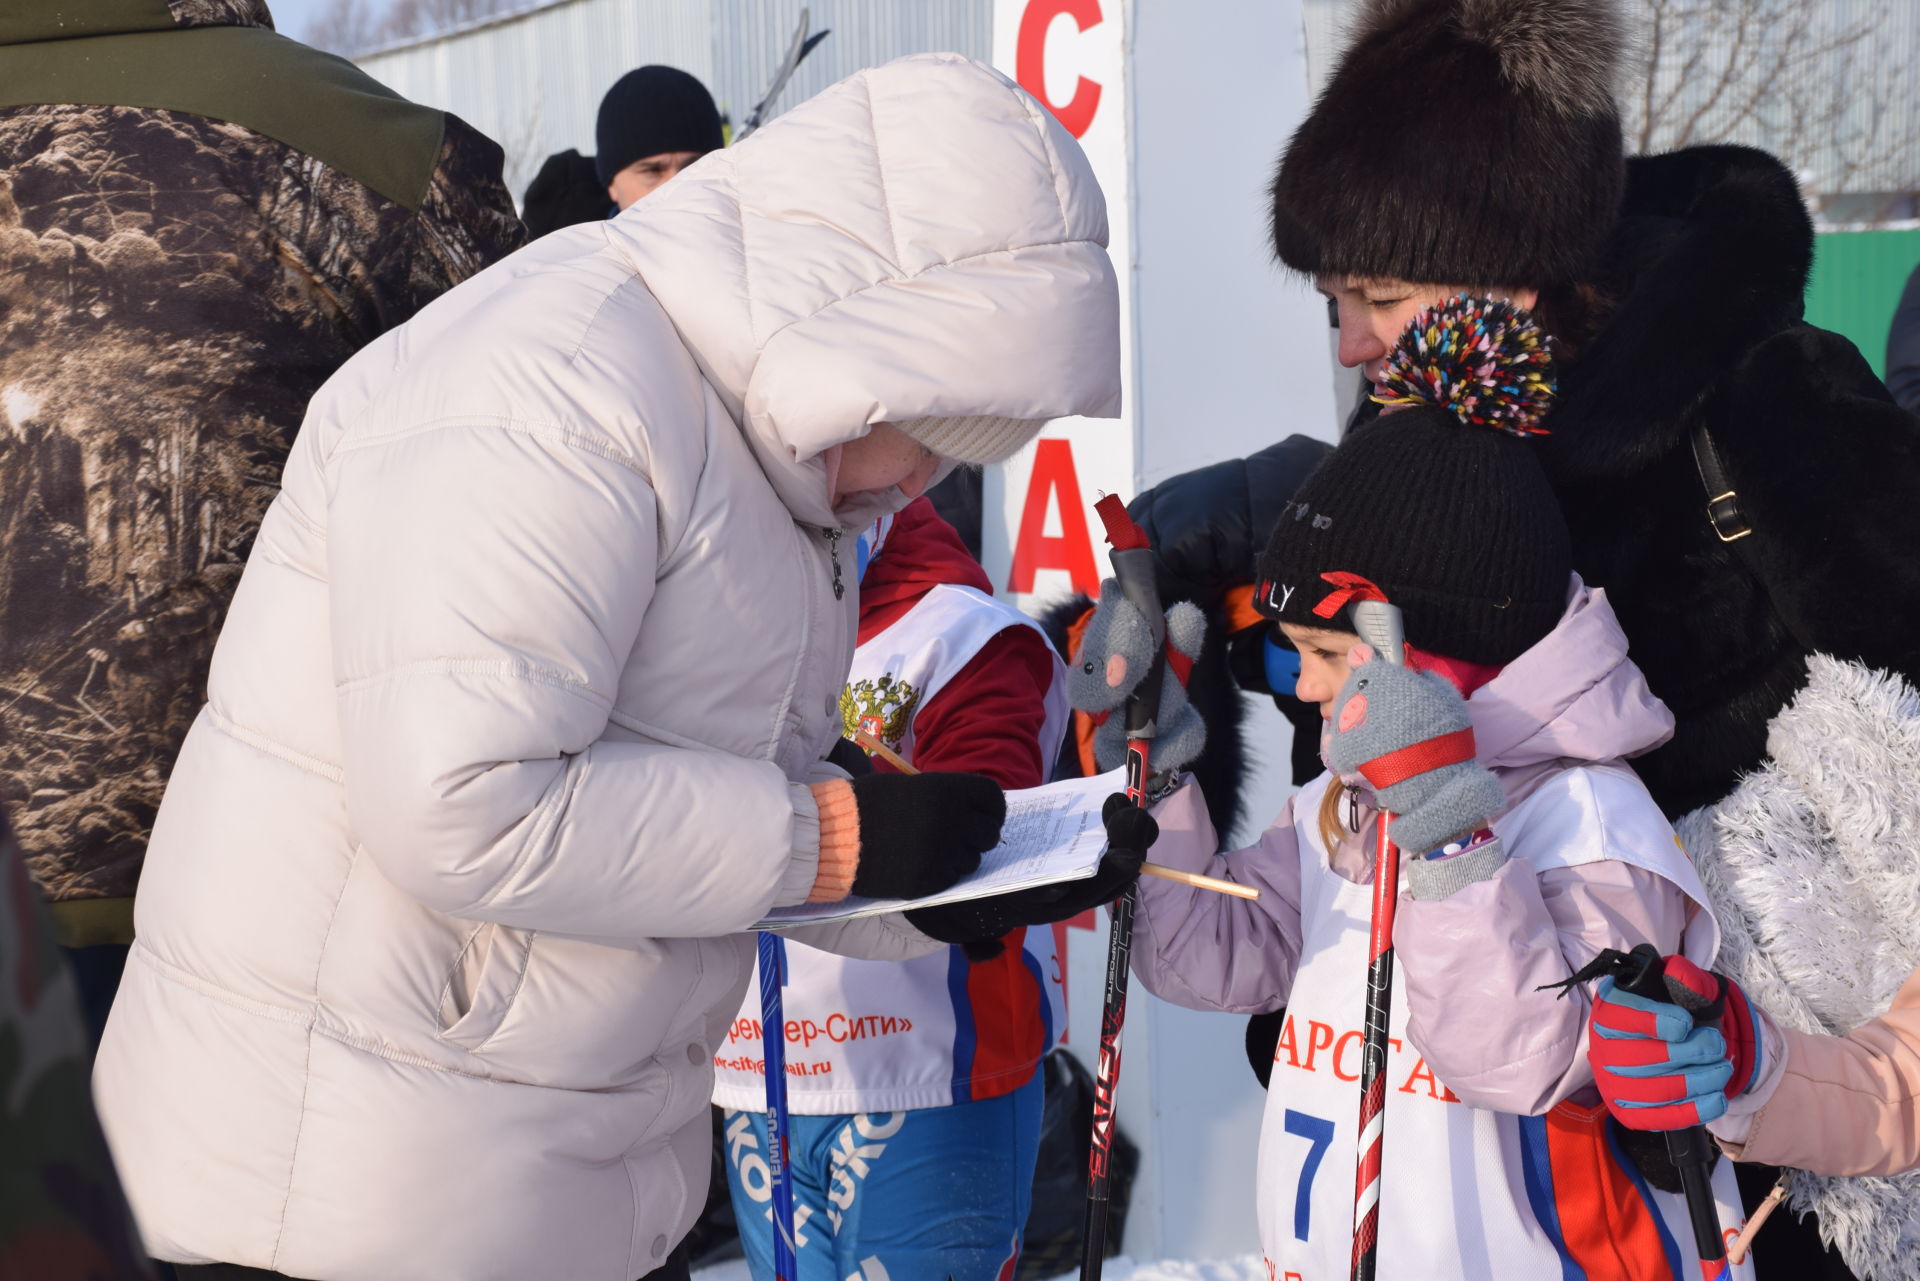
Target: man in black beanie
{"points": [[654, 122]]}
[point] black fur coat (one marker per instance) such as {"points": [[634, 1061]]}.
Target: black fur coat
{"points": [[1708, 267]]}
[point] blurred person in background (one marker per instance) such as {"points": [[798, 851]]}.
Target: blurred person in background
{"points": [[62, 1217], [1903, 347], [653, 123]]}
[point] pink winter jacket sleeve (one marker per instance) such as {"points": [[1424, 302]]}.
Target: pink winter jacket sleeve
{"points": [[1211, 951], [1471, 965], [1839, 1105]]}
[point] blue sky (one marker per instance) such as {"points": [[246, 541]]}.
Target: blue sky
{"points": [[290, 17]]}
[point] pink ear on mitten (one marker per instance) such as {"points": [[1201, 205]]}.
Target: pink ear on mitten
{"points": [[1353, 712]]}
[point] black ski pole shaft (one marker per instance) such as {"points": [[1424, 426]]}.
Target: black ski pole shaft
{"points": [[1133, 567], [1113, 1016], [797, 50]]}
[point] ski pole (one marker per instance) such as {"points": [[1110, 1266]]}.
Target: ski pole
{"points": [[773, 1030], [1378, 624], [1642, 972], [797, 50], [1134, 569]]}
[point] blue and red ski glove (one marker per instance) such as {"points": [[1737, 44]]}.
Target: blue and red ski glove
{"points": [[1669, 1066]]}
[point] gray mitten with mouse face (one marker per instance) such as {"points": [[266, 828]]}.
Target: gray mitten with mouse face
{"points": [[1114, 656], [1407, 734]]}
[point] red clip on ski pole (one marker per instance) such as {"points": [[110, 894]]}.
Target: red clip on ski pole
{"points": [[1133, 567], [1378, 624]]}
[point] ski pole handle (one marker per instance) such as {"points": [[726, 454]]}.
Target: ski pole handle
{"points": [[1691, 1150], [1133, 569], [1378, 624]]}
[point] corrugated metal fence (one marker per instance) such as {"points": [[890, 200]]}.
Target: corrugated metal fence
{"points": [[750, 38], [533, 79]]}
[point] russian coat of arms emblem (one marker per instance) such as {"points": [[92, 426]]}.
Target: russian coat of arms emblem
{"points": [[882, 706]]}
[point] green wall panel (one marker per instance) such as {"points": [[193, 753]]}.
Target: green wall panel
{"points": [[1857, 279]]}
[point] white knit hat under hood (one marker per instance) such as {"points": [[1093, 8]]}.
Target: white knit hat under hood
{"points": [[974, 440]]}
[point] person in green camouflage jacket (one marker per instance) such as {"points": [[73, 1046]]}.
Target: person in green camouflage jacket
{"points": [[200, 220]]}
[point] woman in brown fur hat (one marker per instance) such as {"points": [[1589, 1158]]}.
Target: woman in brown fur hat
{"points": [[1475, 145]]}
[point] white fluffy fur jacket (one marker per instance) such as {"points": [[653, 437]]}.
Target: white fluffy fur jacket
{"points": [[1813, 868]]}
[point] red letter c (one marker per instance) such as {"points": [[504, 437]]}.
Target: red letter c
{"points": [[1030, 59]]}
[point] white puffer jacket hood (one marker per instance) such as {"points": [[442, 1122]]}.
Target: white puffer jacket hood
{"points": [[510, 725], [946, 278]]}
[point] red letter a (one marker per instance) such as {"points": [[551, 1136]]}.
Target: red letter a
{"points": [[1053, 475]]}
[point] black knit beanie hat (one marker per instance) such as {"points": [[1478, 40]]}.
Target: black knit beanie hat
{"points": [[653, 110], [1440, 504], [1464, 142]]}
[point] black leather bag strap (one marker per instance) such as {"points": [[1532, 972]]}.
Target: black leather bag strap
{"points": [[1723, 500]]}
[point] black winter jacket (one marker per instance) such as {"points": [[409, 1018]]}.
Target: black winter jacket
{"points": [[1903, 347], [1206, 527], [1709, 266]]}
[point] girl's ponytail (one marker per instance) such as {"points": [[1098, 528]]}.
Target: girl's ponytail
{"points": [[1332, 829]]}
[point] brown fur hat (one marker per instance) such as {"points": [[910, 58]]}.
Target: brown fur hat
{"points": [[1461, 142]]}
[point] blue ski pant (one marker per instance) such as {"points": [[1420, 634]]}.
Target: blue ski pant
{"points": [[894, 1196]]}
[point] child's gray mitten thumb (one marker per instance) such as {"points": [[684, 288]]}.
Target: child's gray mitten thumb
{"points": [[1406, 734]]}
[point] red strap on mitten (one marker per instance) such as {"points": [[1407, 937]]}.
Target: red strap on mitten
{"points": [[1417, 758]]}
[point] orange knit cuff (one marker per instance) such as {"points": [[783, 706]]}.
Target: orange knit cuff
{"points": [[839, 841]]}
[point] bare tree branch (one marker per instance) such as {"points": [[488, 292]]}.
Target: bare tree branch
{"points": [[1806, 79], [351, 27]]}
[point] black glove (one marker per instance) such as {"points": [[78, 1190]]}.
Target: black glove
{"points": [[919, 833], [978, 924], [851, 757], [1263, 1036]]}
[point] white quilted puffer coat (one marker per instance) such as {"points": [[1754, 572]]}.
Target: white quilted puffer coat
{"points": [[510, 723]]}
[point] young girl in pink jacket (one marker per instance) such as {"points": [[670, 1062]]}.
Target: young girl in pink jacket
{"points": [[1500, 1160]]}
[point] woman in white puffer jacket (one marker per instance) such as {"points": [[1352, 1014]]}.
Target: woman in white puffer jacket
{"points": [[512, 727]]}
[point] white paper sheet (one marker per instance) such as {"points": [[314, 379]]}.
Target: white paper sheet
{"points": [[1053, 833]]}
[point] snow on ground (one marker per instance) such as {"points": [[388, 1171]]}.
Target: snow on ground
{"points": [[1248, 1268]]}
